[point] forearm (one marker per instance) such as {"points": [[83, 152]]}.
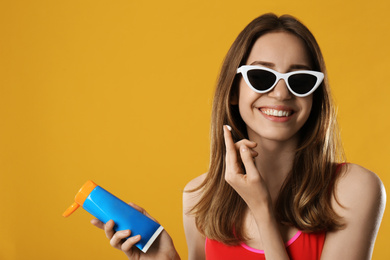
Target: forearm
{"points": [[273, 245]]}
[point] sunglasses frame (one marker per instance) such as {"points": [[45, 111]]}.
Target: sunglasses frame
{"points": [[245, 68]]}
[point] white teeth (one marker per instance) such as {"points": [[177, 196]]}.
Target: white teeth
{"points": [[274, 112]]}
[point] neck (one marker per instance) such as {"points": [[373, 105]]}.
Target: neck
{"points": [[274, 162]]}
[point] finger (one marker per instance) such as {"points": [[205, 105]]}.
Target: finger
{"points": [[232, 165], [231, 152], [249, 144], [109, 229], [129, 243], [248, 162], [118, 238], [233, 161], [142, 210], [97, 223], [232, 148]]}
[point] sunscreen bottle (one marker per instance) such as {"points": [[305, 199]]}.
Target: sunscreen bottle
{"points": [[105, 206]]}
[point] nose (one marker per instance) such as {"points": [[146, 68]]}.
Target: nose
{"points": [[280, 91]]}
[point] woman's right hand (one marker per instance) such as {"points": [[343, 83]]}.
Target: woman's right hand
{"points": [[241, 172], [162, 247]]}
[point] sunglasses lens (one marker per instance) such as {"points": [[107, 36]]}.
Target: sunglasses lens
{"points": [[260, 79], [302, 83]]}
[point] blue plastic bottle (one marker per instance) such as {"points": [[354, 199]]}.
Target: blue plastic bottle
{"points": [[105, 206]]}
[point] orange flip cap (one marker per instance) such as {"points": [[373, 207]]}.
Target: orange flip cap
{"points": [[81, 196]]}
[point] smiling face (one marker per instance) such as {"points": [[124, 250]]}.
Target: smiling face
{"points": [[276, 115]]}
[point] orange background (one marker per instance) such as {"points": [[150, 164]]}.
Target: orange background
{"points": [[120, 92]]}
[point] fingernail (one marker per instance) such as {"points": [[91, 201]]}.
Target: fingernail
{"points": [[229, 127]]}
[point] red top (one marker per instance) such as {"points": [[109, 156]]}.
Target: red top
{"points": [[303, 246]]}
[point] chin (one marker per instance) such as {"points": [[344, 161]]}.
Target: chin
{"points": [[276, 135], [281, 138]]}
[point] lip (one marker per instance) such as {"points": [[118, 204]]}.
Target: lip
{"points": [[277, 118]]}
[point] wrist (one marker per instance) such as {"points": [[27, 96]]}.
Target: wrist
{"points": [[173, 255], [263, 213]]}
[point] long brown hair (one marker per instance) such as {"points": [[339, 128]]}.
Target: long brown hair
{"points": [[304, 200]]}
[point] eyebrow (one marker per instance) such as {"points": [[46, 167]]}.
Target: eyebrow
{"points": [[272, 65]]}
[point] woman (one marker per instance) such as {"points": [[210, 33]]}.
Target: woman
{"points": [[276, 187]]}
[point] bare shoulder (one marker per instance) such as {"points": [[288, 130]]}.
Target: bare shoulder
{"points": [[359, 200], [190, 197], [359, 187], [194, 183], [195, 240]]}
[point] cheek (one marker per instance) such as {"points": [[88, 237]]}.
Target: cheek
{"points": [[247, 102], [241, 94], [246, 96]]}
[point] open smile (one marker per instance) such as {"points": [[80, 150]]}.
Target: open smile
{"points": [[276, 112]]}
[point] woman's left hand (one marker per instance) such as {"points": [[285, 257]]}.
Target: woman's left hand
{"points": [[162, 247], [248, 183]]}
